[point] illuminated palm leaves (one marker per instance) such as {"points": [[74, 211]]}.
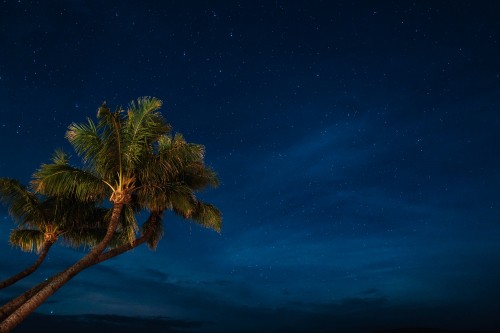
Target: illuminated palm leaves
{"points": [[28, 240], [130, 154], [43, 220], [22, 204], [175, 171]]}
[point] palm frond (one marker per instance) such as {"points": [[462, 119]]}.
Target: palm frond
{"points": [[152, 198], [73, 214], [89, 237], [128, 224], [28, 240], [160, 197], [207, 215], [64, 180], [143, 126], [179, 153], [153, 226], [23, 205], [176, 160], [182, 203], [105, 116], [86, 140], [89, 229], [197, 176], [85, 238], [60, 157], [109, 161]]}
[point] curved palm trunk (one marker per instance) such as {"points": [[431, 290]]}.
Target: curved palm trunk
{"points": [[13, 305], [90, 259], [29, 270], [124, 248], [150, 225], [8, 308]]}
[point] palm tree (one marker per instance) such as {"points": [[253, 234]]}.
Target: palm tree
{"points": [[131, 158], [43, 220], [25, 206], [151, 233]]}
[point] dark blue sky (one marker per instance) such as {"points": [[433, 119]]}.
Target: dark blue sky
{"points": [[357, 146]]}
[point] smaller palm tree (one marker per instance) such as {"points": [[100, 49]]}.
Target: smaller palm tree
{"points": [[42, 221]]}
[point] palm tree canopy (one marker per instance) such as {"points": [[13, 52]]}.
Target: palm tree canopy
{"points": [[28, 240], [130, 156], [61, 179], [43, 219], [23, 205]]}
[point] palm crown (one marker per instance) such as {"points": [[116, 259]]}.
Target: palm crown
{"points": [[43, 220], [130, 157]]}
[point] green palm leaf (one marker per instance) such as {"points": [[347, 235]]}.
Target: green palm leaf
{"points": [[86, 140], [176, 153], [208, 216], [89, 237], [24, 206], [160, 197], [155, 227], [143, 126], [197, 176], [28, 240], [61, 179], [128, 224], [74, 214], [109, 162]]}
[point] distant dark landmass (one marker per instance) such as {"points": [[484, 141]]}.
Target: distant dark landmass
{"points": [[91, 323], [105, 323], [429, 330]]}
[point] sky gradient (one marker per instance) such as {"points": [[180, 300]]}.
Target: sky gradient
{"points": [[357, 146]]}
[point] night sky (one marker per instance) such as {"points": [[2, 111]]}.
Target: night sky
{"points": [[357, 144]]}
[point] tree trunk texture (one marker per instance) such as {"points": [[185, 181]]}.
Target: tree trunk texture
{"points": [[8, 308], [124, 248], [14, 304], [90, 259], [29, 270], [148, 232]]}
